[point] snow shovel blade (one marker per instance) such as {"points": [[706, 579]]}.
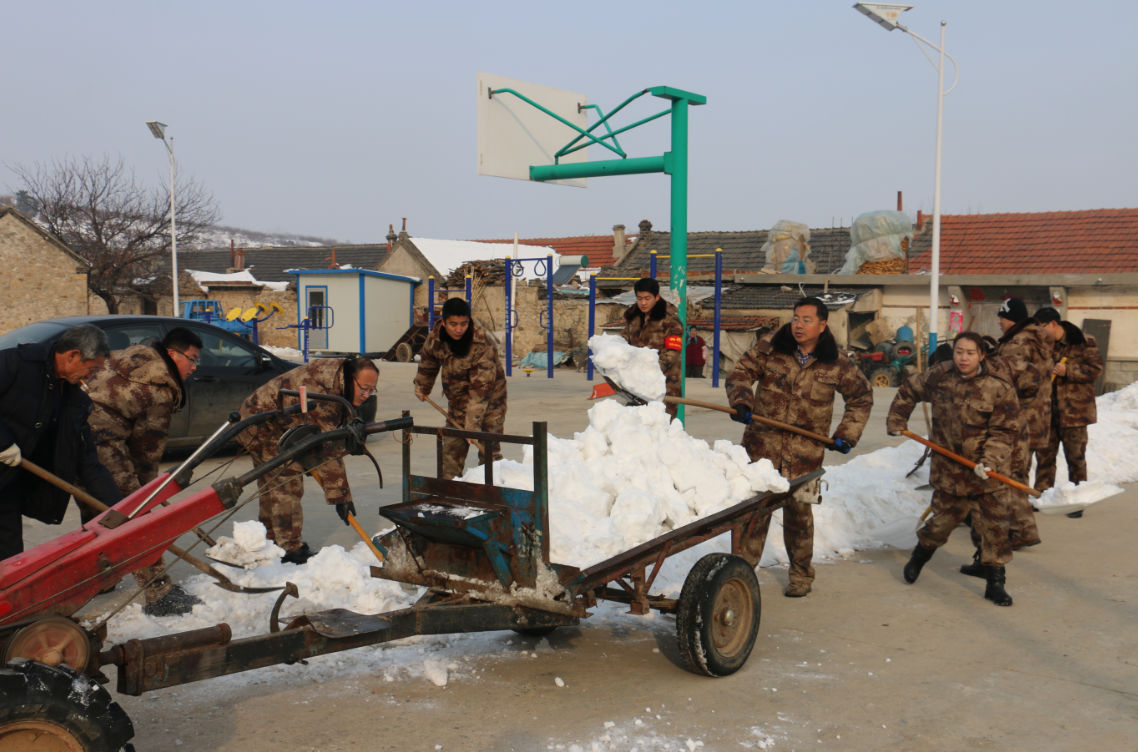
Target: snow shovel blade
{"points": [[601, 390], [899, 533], [227, 585], [628, 397]]}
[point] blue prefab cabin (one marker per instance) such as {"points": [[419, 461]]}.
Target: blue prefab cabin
{"points": [[369, 310]]}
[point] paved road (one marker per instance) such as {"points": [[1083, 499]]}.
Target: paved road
{"points": [[865, 662]]}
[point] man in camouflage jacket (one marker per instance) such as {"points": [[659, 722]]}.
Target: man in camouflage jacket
{"points": [[281, 512], [136, 394], [977, 416], [474, 381], [1026, 348], [652, 322], [1072, 399], [792, 376]]}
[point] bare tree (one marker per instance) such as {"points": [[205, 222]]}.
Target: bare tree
{"points": [[119, 226]]}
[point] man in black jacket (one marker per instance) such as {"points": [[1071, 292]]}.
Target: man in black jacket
{"points": [[43, 417]]}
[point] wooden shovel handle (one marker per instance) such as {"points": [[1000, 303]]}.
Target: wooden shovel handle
{"points": [[754, 418], [970, 464], [446, 415]]}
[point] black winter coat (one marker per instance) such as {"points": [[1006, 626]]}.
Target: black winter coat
{"points": [[28, 389]]}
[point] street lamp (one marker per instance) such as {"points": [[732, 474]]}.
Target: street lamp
{"points": [[886, 14], [159, 131]]}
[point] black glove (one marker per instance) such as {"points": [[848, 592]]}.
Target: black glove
{"points": [[742, 414], [345, 509], [841, 445]]}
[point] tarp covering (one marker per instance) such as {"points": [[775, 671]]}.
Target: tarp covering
{"points": [[876, 236], [785, 238]]}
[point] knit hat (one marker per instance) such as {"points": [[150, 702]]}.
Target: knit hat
{"points": [[1014, 310]]}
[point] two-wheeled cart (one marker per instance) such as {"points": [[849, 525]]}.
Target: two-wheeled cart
{"points": [[480, 549]]}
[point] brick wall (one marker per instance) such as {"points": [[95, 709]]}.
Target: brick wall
{"points": [[41, 281]]}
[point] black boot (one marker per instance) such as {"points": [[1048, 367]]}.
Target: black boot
{"points": [[299, 556], [975, 569], [995, 591], [920, 557], [1076, 515]]}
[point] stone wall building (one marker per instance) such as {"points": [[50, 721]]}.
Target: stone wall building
{"points": [[43, 278]]}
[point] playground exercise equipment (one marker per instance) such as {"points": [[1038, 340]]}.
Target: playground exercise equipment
{"points": [[209, 312], [306, 325], [250, 315]]}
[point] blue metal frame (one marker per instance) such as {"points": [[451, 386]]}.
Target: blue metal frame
{"points": [[718, 313], [411, 306], [363, 316], [514, 268], [469, 293], [508, 282], [592, 319], [430, 303]]}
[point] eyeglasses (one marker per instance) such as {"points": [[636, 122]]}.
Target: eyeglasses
{"points": [[193, 361], [363, 390]]}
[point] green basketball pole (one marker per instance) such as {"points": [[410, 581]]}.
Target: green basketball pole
{"points": [[673, 163]]}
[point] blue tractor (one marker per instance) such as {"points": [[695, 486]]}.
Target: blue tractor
{"points": [[209, 311]]}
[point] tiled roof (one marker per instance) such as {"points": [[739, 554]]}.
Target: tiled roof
{"points": [[742, 252], [269, 264], [774, 297], [1098, 241], [597, 247]]}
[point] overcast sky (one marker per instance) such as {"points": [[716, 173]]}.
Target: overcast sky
{"points": [[336, 119]]}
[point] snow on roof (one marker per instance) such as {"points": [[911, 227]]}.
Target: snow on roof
{"points": [[448, 255], [205, 278]]}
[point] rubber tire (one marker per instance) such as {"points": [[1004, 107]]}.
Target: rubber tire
{"points": [[904, 345], [886, 348], [535, 632], [34, 692], [695, 616], [403, 352], [884, 376]]}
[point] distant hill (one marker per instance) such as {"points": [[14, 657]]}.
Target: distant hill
{"points": [[219, 236]]}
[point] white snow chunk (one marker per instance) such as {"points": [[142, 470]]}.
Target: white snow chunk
{"points": [[1069, 497], [247, 547], [436, 672], [636, 369]]}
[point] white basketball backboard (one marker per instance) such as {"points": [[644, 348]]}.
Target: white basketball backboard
{"points": [[513, 134]]}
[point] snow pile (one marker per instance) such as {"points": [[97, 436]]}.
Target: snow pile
{"points": [[631, 476], [636, 369], [247, 547], [333, 578], [1069, 497]]}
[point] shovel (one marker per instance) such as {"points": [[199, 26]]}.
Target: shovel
{"points": [[611, 388], [444, 413], [222, 581], [970, 464]]}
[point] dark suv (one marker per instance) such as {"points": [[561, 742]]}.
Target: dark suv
{"points": [[229, 369]]}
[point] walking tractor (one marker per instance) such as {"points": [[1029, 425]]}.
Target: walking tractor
{"points": [[480, 549]]}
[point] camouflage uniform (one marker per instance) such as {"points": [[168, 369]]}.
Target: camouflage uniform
{"points": [[1026, 350], [662, 331], [474, 385], [282, 491], [801, 396], [1072, 407], [979, 419], [136, 394]]}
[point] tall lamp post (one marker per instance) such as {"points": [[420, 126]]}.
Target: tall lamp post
{"points": [[159, 131], [886, 15]]}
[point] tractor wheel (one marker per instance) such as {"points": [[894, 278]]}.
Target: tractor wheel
{"points": [[718, 616], [50, 641], [904, 349], [403, 352], [883, 377], [55, 709]]}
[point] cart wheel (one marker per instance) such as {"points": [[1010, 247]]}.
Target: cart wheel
{"points": [[883, 377], [51, 641], [534, 632], [403, 352], [53, 708], [718, 616]]}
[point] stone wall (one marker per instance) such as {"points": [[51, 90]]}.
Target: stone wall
{"points": [[41, 280]]}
